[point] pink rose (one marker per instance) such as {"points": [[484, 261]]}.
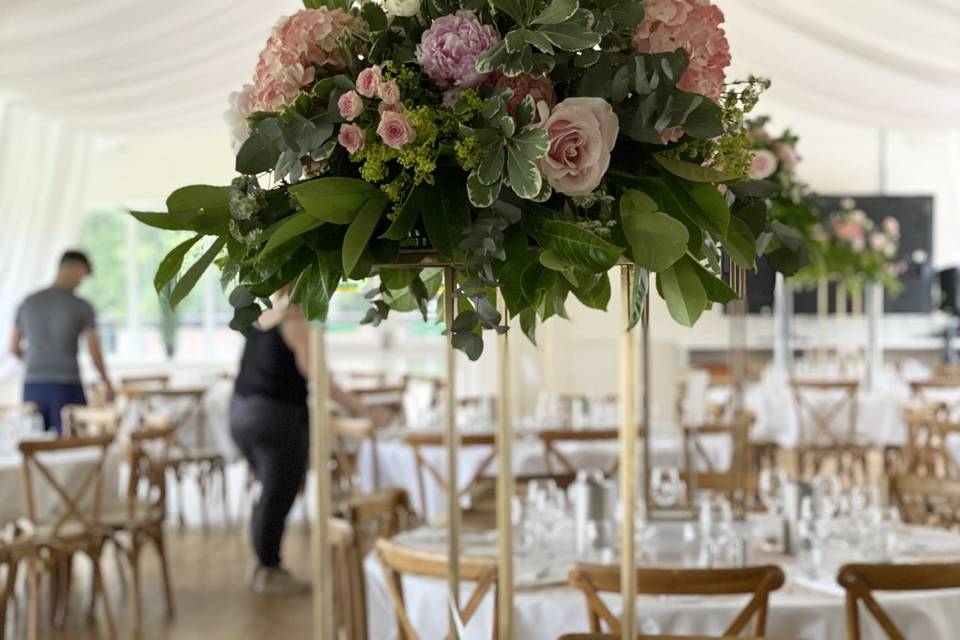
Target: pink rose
{"points": [[849, 231], [693, 25], [369, 81], [449, 49], [582, 134], [351, 138], [787, 155], [395, 130], [891, 227], [523, 85], [350, 105], [389, 92], [763, 165], [383, 107], [671, 134]]}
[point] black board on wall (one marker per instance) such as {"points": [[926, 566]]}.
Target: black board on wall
{"points": [[915, 214]]}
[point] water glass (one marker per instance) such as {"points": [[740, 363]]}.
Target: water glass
{"points": [[665, 486]]}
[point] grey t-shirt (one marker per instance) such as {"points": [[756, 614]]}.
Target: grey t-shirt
{"points": [[52, 321]]}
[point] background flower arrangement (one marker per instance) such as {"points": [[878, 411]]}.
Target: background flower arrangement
{"points": [[535, 143]]}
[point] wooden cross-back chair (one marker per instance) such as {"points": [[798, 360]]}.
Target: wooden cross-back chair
{"points": [[861, 580], [418, 441], [926, 500], [83, 421], [192, 458], [553, 439], [482, 512], [381, 514], [349, 593], [15, 546], [146, 382], [397, 561], [926, 451], [76, 525], [759, 581], [144, 512], [737, 477], [819, 405], [349, 435], [942, 392]]}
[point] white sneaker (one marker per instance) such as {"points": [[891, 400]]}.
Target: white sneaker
{"points": [[276, 581]]}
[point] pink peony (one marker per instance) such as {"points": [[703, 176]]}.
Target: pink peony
{"points": [[297, 47], [763, 165], [787, 155], [693, 25], [449, 49], [389, 92], [523, 85], [368, 81], [351, 138], [395, 130], [582, 133], [350, 105]]}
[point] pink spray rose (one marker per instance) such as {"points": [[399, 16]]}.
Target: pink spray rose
{"points": [[693, 25], [787, 155], [368, 81], [582, 134], [523, 85], [297, 46], [449, 49], [383, 107], [389, 92], [351, 138], [395, 130], [350, 105], [670, 134], [763, 165]]}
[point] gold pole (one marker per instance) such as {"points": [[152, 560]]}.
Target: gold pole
{"points": [[452, 445], [628, 458], [823, 304], [323, 613], [505, 483]]}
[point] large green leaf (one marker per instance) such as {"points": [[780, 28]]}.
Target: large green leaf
{"points": [[557, 11], [203, 223], [713, 205], [408, 215], [336, 200], [596, 296], [528, 324], [289, 229], [189, 279], [171, 263], [683, 292], [511, 283], [361, 230], [200, 197], [657, 240], [693, 172], [446, 215], [577, 246], [740, 244], [535, 280], [638, 297], [317, 284], [573, 34], [717, 290]]}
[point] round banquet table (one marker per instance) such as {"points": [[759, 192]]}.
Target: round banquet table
{"points": [[546, 608], [398, 466]]}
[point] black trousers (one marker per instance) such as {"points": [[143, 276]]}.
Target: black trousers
{"points": [[274, 438]]}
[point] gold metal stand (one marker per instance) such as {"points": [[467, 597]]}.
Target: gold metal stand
{"points": [[323, 613], [628, 456], [505, 481], [452, 444]]}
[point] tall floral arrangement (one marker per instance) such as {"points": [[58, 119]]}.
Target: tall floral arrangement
{"points": [[534, 143]]}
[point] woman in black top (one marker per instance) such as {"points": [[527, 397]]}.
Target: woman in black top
{"points": [[269, 422]]}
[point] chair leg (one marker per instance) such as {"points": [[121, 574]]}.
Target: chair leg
{"points": [[181, 508], [223, 494], [160, 543], [99, 588], [135, 578], [66, 584], [33, 598], [9, 586], [202, 479]]}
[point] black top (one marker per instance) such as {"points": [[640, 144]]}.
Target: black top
{"points": [[268, 368]]}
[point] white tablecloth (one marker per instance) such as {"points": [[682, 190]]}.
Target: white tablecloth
{"points": [[803, 608], [398, 467], [69, 467]]}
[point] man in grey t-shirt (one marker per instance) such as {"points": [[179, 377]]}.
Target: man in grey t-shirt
{"points": [[46, 334]]}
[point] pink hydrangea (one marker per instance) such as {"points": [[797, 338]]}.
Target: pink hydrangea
{"points": [[694, 26], [299, 47], [523, 85], [449, 49]]}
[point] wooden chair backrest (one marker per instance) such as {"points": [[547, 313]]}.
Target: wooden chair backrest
{"points": [[737, 429], [148, 452], [381, 514], [616, 636], [349, 591], [397, 560], [84, 421], [189, 407], [72, 499], [926, 500], [23, 408], [926, 451], [349, 434], [860, 580], [594, 579], [735, 481], [815, 416], [149, 382], [552, 438], [417, 441]]}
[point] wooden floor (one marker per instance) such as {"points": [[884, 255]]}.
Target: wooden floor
{"points": [[211, 596]]}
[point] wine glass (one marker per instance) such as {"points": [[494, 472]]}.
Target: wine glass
{"points": [[665, 485], [771, 487]]}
